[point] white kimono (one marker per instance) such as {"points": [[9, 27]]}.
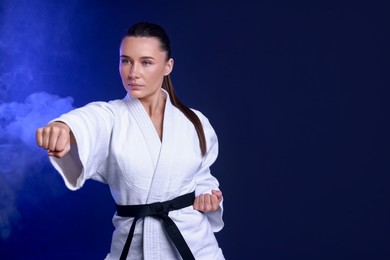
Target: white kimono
{"points": [[117, 144]]}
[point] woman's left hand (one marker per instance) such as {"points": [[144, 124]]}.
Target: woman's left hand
{"points": [[208, 202]]}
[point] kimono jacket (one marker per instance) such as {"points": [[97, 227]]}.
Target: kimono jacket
{"points": [[117, 144]]}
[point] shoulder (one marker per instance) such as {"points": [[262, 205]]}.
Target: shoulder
{"points": [[202, 117], [107, 109], [208, 129], [199, 114], [111, 105], [117, 104]]}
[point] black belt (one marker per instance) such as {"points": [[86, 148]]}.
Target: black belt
{"points": [[159, 210]]}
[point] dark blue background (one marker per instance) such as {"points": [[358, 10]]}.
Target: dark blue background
{"points": [[297, 94]]}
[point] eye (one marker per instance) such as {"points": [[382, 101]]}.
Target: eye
{"points": [[146, 62], [125, 61]]}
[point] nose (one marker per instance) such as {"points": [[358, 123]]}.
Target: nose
{"points": [[134, 71]]}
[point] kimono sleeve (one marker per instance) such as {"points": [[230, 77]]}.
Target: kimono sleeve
{"points": [[205, 181], [91, 126]]}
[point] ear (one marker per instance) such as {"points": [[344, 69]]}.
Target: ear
{"points": [[168, 67]]}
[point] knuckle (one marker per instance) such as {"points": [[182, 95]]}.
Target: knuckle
{"points": [[55, 130], [46, 130], [63, 131]]}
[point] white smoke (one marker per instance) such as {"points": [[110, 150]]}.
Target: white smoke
{"points": [[19, 155]]}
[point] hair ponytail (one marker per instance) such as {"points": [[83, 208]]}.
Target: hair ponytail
{"points": [[168, 86]]}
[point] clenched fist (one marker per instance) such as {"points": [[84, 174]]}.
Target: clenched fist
{"points": [[56, 138], [208, 202]]}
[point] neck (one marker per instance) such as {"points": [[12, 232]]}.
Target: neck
{"points": [[155, 104]]}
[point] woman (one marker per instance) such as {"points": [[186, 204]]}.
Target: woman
{"points": [[153, 152]]}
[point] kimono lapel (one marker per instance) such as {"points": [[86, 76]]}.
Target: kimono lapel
{"points": [[147, 128], [161, 175], [161, 152]]}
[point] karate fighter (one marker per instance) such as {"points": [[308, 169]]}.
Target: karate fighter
{"points": [[153, 152]]}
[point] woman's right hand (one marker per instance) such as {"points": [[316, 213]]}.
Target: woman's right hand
{"points": [[56, 138]]}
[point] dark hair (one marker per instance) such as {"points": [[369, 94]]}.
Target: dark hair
{"points": [[146, 29]]}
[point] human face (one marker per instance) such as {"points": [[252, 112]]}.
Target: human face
{"points": [[143, 65]]}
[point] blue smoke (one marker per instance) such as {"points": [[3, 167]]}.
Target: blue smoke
{"points": [[34, 42], [19, 155]]}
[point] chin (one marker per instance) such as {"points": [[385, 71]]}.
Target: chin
{"points": [[135, 93]]}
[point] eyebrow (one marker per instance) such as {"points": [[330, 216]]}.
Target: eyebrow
{"points": [[143, 57]]}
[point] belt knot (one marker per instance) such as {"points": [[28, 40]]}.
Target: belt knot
{"points": [[161, 209]]}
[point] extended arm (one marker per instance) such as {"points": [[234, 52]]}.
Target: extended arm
{"points": [[77, 142]]}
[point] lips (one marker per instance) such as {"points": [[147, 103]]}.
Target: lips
{"points": [[134, 85]]}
